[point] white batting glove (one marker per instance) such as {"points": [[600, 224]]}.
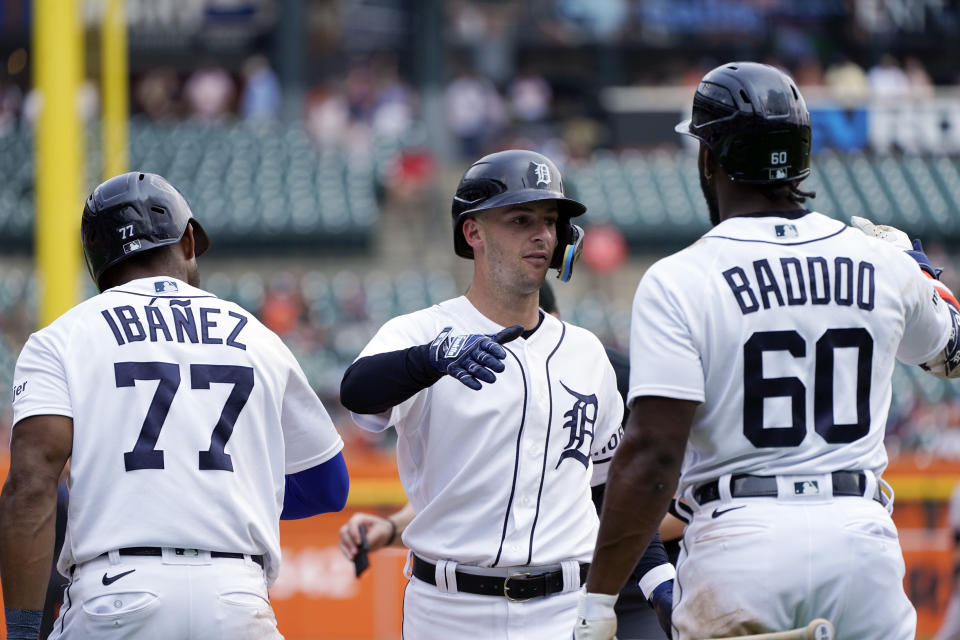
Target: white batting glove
{"points": [[596, 619], [885, 232]]}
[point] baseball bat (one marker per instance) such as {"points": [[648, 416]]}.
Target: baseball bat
{"points": [[818, 629]]}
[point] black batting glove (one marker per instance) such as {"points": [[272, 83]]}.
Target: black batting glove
{"points": [[471, 358]]}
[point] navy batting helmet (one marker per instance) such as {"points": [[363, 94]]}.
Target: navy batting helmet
{"points": [[754, 121], [517, 176], [132, 213]]}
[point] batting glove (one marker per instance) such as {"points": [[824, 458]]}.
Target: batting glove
{"points": [[471, 358], [596, 619], [884, 232], [900, 240]]}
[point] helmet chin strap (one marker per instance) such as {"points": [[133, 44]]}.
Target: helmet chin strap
{"points": [[571, 253]]}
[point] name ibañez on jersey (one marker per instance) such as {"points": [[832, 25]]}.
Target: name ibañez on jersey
{"points": [[178, 321], [799, 281]]}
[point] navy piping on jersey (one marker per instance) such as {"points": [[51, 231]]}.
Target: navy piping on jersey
{"points": [[794, 214], [781, 244], [546, 444], [154, 295], [66, 596], [516, 458]]}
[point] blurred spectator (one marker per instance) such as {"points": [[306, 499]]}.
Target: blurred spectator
{"points": [[282, 304], [394, 102], [808, 73], [261, 91], [475, 111], [157, 94], [11, 99], [921, 86], [327, 116], [530, 97], [888, 80], [847, 82], [210, 93]]}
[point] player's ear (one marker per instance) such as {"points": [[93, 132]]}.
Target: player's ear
{"points": [[707, 162], [188, 244], [473, 233]]}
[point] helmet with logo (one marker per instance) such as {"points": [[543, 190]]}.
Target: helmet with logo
{"points": [[755, 122], [517, 176], [132, 213]]}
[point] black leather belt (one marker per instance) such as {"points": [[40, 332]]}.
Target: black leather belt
{"points": [[518, 587], [845, 483], [157, 551]]}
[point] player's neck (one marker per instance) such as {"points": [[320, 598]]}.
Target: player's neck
{"points": [[505, 308], [753, 203]]}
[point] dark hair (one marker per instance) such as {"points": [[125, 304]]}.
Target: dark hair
{"points": [[790, 191]]}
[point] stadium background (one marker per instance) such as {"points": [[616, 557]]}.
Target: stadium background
{"points": [[319, 142]]}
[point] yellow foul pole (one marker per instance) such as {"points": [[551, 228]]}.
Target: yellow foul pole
{"points": [[58, 59], [113, 53]]}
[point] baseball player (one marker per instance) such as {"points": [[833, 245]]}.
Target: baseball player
{"points": [[761, 363], [505, 417], [190, 430], [635, 618]]}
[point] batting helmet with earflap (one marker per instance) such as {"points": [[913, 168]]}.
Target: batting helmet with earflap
{"points": [[517, 176], [755, 122], [132, 213]]}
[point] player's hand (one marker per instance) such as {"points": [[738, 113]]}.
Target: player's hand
{"points": [[378, 529], [662, 602], [471, 358], [900, 240], [596, 619], [884, 232]]}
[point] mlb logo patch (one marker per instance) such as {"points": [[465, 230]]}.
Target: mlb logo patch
{"points": [[806, 488], [786, 231], [162, 286], [133, 245], [779, 173]]}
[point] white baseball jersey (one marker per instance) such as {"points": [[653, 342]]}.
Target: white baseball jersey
{"points": [[501, 477], [187, 413], [786, 330]]}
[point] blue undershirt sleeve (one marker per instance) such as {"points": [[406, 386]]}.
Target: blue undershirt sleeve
{"points": [[319, 489]]}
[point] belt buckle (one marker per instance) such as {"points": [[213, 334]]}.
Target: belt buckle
{"points": [[506, 587]]}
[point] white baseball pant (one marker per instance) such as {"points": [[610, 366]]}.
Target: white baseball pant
{"points": [[168, 597]]}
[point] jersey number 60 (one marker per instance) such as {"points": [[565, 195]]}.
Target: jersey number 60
{"points": [[145, 455], [756, 388]]}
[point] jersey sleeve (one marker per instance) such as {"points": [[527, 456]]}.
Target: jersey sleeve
{"points": [[308, 432], [928, 324], [40, 385], [664, 360], [399, 333], [609, 427]]}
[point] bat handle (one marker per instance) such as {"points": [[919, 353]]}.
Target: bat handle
{"points": [[820, 629]]}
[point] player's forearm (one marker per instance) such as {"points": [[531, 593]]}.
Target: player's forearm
{"points": [[374, 384], [638, 491], [400, 520], [28, 510]]}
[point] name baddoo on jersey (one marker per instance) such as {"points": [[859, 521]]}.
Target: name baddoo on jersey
{"points": [[178, 322], [792, 281]]}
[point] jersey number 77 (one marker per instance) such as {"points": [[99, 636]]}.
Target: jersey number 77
{"points": [[144, 454]]}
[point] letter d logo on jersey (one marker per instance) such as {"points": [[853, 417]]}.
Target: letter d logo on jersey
{"points": [[580, 420]]}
